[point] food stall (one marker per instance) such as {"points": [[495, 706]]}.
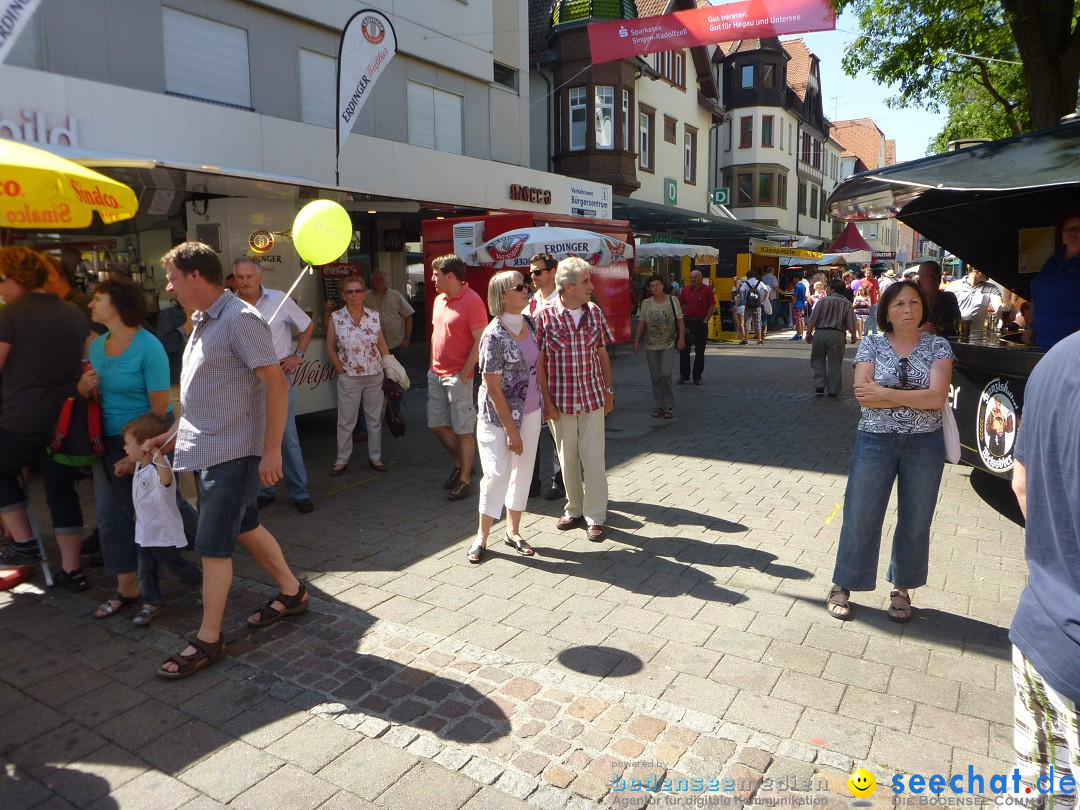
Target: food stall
{"points": [[691, 257], [464, 235], [994, 206]]}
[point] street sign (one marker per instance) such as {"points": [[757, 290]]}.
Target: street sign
{"points": [[721, 196]]}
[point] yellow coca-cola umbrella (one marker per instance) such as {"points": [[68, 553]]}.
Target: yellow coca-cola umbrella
{"points": [[41, 191]]}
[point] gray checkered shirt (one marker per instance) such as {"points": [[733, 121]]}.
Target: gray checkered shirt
{"points": [[223, 401]]}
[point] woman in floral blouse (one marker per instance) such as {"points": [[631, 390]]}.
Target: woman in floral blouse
{"points": [[902, 379], [357, 347], [509, 413]]}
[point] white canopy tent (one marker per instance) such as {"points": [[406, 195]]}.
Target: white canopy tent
{"points": [[854, 257], [651, 250]]}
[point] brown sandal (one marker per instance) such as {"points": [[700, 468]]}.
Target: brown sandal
{"points": [[896, 606], [839, 608], [293, 604], [206, 653]]}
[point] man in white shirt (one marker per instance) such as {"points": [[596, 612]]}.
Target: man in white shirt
{"points": [[283, 315], [970, 290], [395, 313]]}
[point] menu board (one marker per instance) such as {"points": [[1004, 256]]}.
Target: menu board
{"points": [[332, 276], [1036, 246]]}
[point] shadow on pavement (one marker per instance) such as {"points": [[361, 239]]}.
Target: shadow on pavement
{"points": [[600, 661]]}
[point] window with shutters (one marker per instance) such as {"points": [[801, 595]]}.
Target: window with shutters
{"points": [[435, 118], [669, 128], [318, 88], [206, 60]]}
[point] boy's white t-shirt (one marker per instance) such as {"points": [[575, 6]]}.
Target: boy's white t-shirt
{"points": [[157, 516]]}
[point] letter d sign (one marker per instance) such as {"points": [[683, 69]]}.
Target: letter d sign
{"points": [[671, 191]]}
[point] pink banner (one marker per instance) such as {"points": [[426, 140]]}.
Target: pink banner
{"points": [[743, 19]]}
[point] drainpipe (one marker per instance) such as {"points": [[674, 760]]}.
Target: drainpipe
{"points": [[551, 118]]}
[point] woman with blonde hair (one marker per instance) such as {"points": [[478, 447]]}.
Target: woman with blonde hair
{"points": [[509, 413]]}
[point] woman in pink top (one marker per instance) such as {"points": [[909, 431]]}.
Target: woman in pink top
{"points": [[357, 347]]}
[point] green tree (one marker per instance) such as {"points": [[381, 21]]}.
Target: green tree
{"points": [[943, 53]]}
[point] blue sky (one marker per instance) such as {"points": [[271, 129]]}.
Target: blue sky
{"points": [[844, 97]]}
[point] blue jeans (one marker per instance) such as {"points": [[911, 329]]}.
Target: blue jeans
{"points": [[227, 494], [172, 562], [116, 511], [871, 320], [915, 461], [292, 459]]}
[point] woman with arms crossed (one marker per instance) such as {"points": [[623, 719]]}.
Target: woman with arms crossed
{"points": [[902, 379]]}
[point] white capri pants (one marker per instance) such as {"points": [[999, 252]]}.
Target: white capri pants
{"points": [[507, 476]]}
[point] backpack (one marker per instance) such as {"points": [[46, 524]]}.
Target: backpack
{"points": [[77, 439], [753, 296]]}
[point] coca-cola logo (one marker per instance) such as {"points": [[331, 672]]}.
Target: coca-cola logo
{"points": [[313, 373]]}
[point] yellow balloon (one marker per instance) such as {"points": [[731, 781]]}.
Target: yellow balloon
{"points": [[321, 231]]}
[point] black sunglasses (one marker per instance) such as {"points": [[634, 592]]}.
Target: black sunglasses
{"points": [[903, 372], [519, 288], [538, 272]]}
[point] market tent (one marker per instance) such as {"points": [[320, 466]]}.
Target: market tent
{"points": [[852, 257], [667, 250], [851, 239], [976, 202]]}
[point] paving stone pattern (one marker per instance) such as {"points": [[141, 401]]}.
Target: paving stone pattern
{"points": [[690, 644]]}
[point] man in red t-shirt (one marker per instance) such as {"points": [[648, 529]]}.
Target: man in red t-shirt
{"points": [[458, 319], [698, 305]]}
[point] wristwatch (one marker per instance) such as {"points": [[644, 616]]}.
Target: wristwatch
{"points": [[610, 390], [299, 354]]}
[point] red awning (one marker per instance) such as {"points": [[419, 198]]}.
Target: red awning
{"points": [[850, 240]]}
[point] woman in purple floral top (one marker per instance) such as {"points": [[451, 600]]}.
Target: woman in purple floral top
{"points": [[356, 348], [510, 416]]}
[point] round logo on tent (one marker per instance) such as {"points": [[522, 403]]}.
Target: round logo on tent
{"points": [[261, 242], [996, 425], [373, 29]]}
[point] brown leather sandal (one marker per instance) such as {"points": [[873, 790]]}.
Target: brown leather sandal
{"points": [[899, 607], [837, 603], [206, 653], [294, 604]]}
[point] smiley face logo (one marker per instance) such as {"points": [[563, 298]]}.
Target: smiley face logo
{"points": [[861, 783]]}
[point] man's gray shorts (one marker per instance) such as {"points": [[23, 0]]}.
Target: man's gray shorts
{"points": [[450, 403]]}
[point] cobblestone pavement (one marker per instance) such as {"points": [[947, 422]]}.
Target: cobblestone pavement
{"points": [[690, 644]]}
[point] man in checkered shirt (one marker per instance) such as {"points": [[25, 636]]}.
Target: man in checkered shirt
{"points": [[574, 372], [234, 399]]}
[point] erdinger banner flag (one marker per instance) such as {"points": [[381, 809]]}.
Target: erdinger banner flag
{"points": [[743, 19], [368, 43], [14, 15]]}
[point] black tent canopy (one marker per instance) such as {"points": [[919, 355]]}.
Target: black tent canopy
{"points": [[975, 201]]}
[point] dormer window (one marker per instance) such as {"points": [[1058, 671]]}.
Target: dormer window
{"points": [[747, 76], [768, 75]]}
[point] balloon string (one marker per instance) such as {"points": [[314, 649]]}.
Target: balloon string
{"points": [[307, 269]]}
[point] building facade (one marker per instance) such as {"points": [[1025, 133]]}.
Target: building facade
{"points": [[774, 152]]}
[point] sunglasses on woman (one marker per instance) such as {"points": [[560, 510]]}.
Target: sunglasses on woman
{"points": [[903, 372], [519, 288]]}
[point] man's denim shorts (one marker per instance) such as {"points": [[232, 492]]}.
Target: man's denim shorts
{"points": [[227, 494], [450, 403]]}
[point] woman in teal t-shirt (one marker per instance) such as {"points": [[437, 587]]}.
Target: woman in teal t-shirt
{"points": [[129, 373]]}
